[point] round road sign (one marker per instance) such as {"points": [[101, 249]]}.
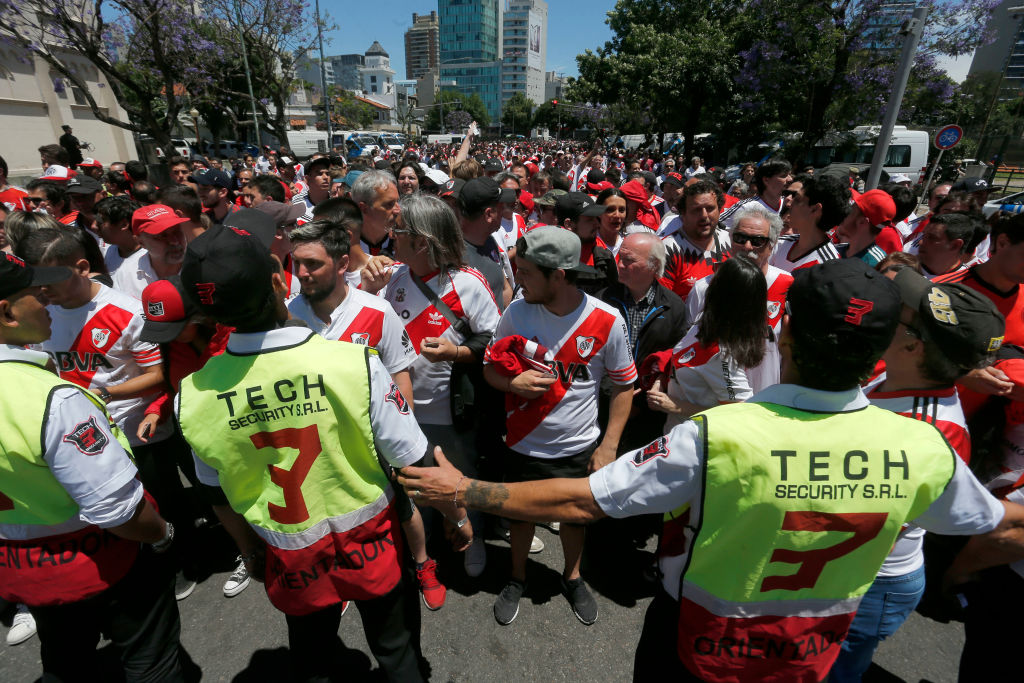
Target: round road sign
{"points": [[949, 137]]}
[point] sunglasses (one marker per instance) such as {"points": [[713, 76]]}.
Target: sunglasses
{"points": [[34, 200], [756, 241]]}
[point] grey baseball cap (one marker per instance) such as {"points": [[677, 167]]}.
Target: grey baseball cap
{"points": [[553, 247]]}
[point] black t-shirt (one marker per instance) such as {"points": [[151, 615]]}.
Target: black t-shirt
{"points": [[485, 258]]}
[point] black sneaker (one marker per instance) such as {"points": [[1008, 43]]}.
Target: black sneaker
{"points": [[582, 602], [506, 605], [183, 586]]}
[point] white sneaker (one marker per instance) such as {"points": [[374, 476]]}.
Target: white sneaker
{"points": [[238, 581], [22, 628], [555, 527], [476, 558], [536, 545]]}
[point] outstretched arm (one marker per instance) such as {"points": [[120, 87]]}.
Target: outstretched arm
{"points": [[566, 500]]}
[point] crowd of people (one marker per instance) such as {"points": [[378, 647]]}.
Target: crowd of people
{"points": [[349, 360]]}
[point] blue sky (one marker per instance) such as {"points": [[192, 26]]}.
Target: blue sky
{"points": [[572, 28]]}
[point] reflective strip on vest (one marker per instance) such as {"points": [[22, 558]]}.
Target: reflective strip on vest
{"points": [[289, 433], [799, 510], [56, 566]]}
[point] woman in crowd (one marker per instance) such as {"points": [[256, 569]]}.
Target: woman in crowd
{"points": [[707, 364]]}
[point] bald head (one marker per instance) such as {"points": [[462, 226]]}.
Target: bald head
{"points": [[641, 261]]}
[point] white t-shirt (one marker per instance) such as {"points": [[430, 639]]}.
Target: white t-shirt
{"points": [[97, 345], [112, 257], [511, 230], [940, 407], [704, 375], [466, 293], [134, 274], [583, 346], [635, 484], [97, 473], [396, 435], [362, 318], [769, 370]]}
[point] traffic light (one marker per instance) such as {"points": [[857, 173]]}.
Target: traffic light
{"points": [[554, 103]]}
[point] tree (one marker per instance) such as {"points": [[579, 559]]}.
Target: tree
{"points": [[158, 38], [347, 111], [829, 64], [276, 34], [517, 114], [454, 100], [663, 66]]}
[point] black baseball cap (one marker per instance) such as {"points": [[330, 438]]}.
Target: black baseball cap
{"points": [[493, 165], [211, 176], [258, 221], [227, 274], [846, 304], [964, 323], [312, 164], [16, 275], [452, 188], [971, 185], [674, 178], [479, 193], [83, 184], [575, 204]]}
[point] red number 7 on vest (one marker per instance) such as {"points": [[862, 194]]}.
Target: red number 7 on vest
{"points": [[306, 440], [864, 525]]}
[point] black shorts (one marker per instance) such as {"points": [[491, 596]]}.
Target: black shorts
{"points": [[519, 467]]}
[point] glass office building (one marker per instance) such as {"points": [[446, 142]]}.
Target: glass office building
{"points": [[470, 49]]}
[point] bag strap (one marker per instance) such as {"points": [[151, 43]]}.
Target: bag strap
{"points": [[460, 325]]}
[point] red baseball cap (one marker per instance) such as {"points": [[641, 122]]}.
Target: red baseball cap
{"points": [[526, 199], [154, 219], [89, 162], [59, 174], [165, 311], [878, 206]]}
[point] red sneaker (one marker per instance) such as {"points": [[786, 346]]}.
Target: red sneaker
{"points": [[430, 588]]}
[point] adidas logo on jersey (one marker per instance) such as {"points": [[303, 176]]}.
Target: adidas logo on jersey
{"points": [[435, 318]]}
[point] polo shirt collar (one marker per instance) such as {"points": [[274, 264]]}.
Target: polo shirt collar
{"points": [[814, 400]]}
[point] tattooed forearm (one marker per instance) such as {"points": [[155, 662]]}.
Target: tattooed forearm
{"points": [[484, 496]]}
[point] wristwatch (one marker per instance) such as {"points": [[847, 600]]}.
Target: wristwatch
{"points": [[104, 394]]}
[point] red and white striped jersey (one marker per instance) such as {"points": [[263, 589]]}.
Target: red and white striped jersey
{"points": [[97, 345], [511, 230], [583, 346], [291, 277], [685, 263], [940, 407], [362, 318], [769, 371], [465, 291], [704, 375], [786, 259]]}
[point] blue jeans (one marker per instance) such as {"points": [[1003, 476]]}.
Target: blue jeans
{"points": [[885, 607]]}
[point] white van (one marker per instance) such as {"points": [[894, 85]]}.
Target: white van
{"points": [[907, 153], [304, 143]]}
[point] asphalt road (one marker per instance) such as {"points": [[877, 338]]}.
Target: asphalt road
{"points": [[243, 638]]}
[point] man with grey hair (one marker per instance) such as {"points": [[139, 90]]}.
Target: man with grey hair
{"points": [[376, 193], [654, 316], [753, 236]]}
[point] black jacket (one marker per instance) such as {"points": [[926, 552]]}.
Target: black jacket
{"points": [[664, 325], [661, 330]]}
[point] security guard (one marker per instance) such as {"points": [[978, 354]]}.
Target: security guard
{"points": [[72, 510], [795, 497], [290, 432]]}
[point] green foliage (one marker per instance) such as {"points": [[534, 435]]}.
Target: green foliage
{"points": [[347, 111], [455, 100], [517, 115]]}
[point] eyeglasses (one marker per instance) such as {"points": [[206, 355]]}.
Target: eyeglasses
{"points": [[399, 231], [756, 241], [34, 200]]}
